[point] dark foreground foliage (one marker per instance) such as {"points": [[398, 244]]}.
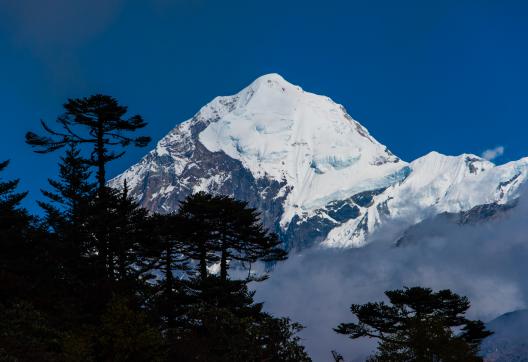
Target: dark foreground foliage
{"points": [[418, 325], [98, 278]]}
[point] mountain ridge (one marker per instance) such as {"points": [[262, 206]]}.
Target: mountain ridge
{"points": [[315, 173], [509, 342]]}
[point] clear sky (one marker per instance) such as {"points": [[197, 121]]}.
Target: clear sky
{"points": [[449, 76]]}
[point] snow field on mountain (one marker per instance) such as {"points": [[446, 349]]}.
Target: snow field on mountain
{"points": [[438, 184], [318, 155], [278, 130]]}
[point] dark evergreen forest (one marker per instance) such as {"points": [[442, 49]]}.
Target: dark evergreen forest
{"points": [[95, 277]]}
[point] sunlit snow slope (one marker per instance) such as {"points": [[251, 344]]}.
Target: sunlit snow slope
{"points": [[436, 184], [279, 131], [316, 174]]}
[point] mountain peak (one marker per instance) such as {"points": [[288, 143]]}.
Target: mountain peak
{"points": [[272, 79], [271, 88], [315, 172], [307, 141]]}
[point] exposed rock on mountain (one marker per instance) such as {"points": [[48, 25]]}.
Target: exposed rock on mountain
{"points": [[315, 173]]}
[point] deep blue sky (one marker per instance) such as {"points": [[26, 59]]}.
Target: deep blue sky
{"points": [[443, 75]]}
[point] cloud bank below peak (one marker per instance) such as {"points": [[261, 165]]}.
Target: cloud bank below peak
{"points": [[484, 261]]}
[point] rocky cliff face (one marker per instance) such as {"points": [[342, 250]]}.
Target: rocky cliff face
{"points": [[316, 174]]}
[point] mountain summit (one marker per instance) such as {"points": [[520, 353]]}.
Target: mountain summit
{"points": [[306, 141], [315, 173]]}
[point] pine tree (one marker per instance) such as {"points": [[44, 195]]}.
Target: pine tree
{"points": [[67, 213], [198, 230], [120, 231], [97, 121], [279, 340], [221, 321], [169, 258], [220, 228], [418, 325], [26, 280], [241, 237], [130, 231], [9, 199], [68, 202], [17, 251], [92, 260], [126, 335]]}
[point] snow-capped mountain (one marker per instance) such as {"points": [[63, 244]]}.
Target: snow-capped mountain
{"points": [[437, 184], [315, 173]]}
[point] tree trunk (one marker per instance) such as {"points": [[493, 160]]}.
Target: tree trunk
{"points": [[223, 263], [100, 148], [169, 285], [203, 261], [101, 180]]}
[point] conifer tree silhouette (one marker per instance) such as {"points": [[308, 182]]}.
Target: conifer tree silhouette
{"points": [[98, 121]]}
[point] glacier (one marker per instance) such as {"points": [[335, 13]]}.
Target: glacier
{"points": [[316, 174]]}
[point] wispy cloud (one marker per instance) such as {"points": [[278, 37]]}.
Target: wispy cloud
{"points": [[493, 153], [485, 262]]}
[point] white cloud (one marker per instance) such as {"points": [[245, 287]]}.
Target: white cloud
{"points": [[493, 153], [485, 262]]}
